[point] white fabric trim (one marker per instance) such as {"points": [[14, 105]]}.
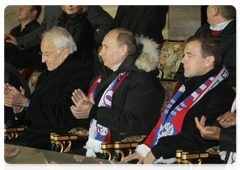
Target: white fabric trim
{"points": [[92, 147], [90, 153], [165, 161], [143, 150], [223, 154]]}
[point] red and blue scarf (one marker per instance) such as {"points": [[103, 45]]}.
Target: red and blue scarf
{"points": [[171, 123], [97, 132]]}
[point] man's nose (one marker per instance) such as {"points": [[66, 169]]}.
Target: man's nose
{"points": [[44, 58]]}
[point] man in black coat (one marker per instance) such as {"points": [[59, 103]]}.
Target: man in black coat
{"points": [[48, 108], [221, 23], [142, 20], [205, 92], [9, 74], [27, 16], [134, 107]]}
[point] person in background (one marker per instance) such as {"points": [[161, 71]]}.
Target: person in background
{"points": [[221, 23], [27, 16], [142, 20], [74, 20], [101, 22]]}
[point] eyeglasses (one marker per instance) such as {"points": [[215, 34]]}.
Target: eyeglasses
{"points": [[47, 55]]}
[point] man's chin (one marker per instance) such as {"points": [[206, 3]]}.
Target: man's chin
{"points": [[186, 75]]}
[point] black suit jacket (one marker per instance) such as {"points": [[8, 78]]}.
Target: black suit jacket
{"points": [[13, 77], [49, 109]]}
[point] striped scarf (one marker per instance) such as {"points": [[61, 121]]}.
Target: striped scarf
{"points": [[171, 123], [97, 132]]}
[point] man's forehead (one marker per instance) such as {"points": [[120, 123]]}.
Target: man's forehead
{"points": [[193, 44], [47, 43]]}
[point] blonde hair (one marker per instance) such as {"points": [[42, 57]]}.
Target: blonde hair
{"points": [[84, 5]]}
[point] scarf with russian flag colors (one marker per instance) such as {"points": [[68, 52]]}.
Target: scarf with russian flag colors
{"points": [[97, 132], [234, 158], [171, 123]]}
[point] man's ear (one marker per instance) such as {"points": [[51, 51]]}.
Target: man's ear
{"points": [[34, 13], [215, 11], [210, 61], [124, 49], [65, 51]]}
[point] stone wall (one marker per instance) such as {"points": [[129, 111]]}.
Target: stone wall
{"points": [[183, 21]]}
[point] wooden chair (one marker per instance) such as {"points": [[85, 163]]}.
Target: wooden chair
{"points": [[171, 54], [2, 47]]}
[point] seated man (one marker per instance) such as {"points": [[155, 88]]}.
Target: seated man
{"points": [[221, 23], [205, 91], [126, 97], [48, 108], [226, 134], [9, 74], [27, 16]]}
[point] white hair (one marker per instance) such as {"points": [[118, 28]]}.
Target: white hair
{"points": [[61, 38]]}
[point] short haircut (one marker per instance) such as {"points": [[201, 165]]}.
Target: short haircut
{"points": [[38, 8], [84, 4], [227, 11], [210, 46], [61, 37], [126, 37]]}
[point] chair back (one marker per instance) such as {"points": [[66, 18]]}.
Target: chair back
{"points": [[32, 80], [171, 54], [170, 88]]}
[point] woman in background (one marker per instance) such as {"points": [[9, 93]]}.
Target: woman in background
{"points": [[74, 20]]}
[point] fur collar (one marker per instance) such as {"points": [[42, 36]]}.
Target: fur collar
{"points": [[149, 57]]}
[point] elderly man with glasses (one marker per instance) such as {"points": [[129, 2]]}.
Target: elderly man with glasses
{"points": [[48, 108]]}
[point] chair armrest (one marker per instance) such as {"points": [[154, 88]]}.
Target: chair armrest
{"points": [[189, 157], [62, 142], [11, 132], [123, 149], [108, 149], [118, 150]]}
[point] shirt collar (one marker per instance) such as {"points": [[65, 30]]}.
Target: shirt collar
{"points": [[115, 68], [220, 26]]}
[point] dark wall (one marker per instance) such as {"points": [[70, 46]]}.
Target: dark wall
{"points": [[204, 5]]}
